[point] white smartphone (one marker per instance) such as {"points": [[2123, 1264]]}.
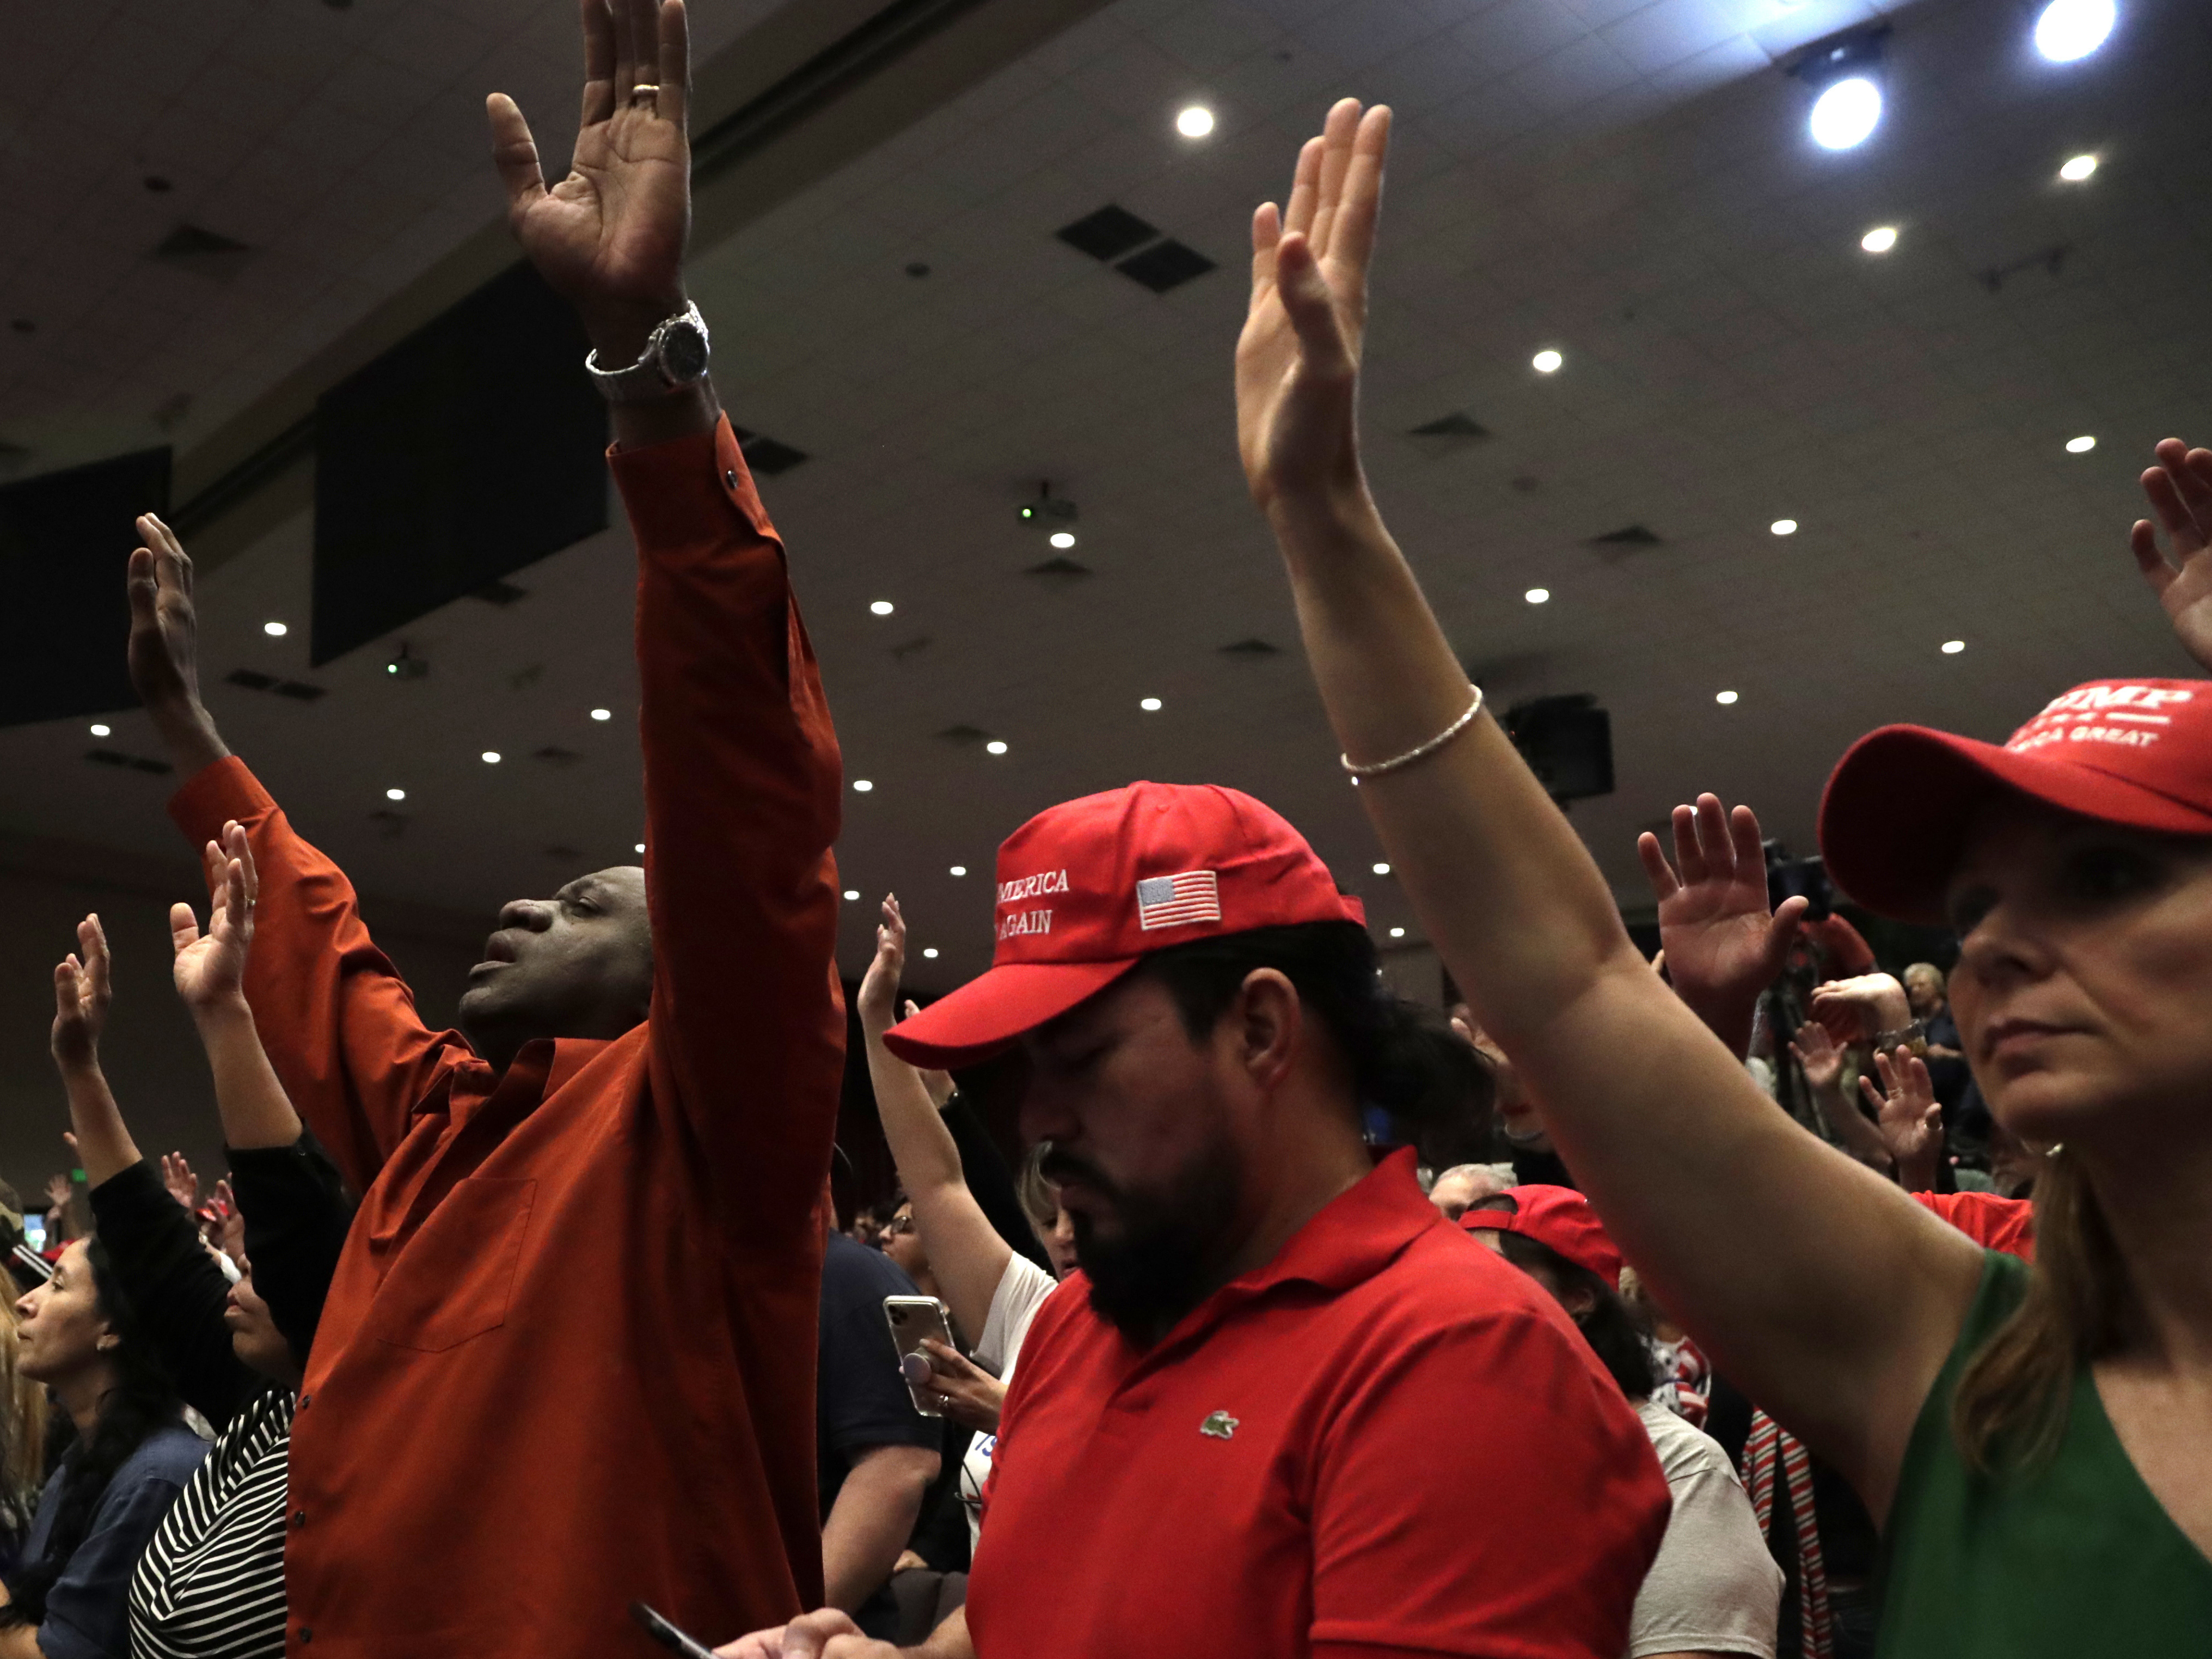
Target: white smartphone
{"points": [[915, 1319]]}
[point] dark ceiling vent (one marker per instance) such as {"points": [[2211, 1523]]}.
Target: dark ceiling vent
{"points": [[562, 854], [1108, 234], [554, 755], [1457, 424], [117, 758], [390, 825], [1061, 568], [1165, 265], [765, 456], [298, 690], [253, 679], [1252, 650], [1634, 535], [501, 594], [965, 736], [250, 679], [905, 648], [191, 247]]}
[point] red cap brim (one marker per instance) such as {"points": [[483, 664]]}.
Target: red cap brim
{"points": [[987, 1014], [1894, 818]]}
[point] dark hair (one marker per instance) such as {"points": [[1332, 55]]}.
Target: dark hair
{"points": [[1403, 1057], [143, 1401], [1615, 1334]]}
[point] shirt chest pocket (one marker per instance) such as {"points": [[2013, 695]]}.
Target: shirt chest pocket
{"points": [[453, 1279]]}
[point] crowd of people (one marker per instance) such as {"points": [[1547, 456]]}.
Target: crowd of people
{"points": [[1632, 1308]]}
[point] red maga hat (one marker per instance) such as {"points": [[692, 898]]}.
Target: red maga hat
{"points": [[1893, 821], [1090, 888], [1559, 1217]]}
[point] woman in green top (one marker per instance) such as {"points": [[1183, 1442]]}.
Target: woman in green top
{"points": [[2037, 1447]]}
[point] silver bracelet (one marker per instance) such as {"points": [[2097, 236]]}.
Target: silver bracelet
{"points": [[1419, 751]]}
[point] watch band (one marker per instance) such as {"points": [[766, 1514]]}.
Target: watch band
{"points": [[653, 375], [1913, 1036]]}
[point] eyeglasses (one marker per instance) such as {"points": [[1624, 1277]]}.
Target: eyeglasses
{"points": [[899, 1224]]}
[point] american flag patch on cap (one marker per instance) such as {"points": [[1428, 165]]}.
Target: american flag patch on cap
{"points": [[1175, 900]]}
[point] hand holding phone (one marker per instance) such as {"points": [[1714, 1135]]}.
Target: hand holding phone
{"points": [[666, 1634], [915, 1319]]}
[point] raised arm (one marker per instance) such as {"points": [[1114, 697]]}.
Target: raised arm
{"points": [[339, 1022], [741, 772], [210, 975], [966, 1253], [1818, 1286], [154, 1241]]}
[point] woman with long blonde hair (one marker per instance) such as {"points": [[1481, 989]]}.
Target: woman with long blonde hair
{"points": [[22, 1441]]}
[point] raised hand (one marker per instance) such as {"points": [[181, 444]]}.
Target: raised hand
{"points": [[82, 994], [59, 1189], [1906, 1116], [1298, 359], [962, 1389], [2180, 491], [1863, 1007], [210, 967], [1818, 1056], [878, 1003], [164, 649], [1722, 945], [183, 1185], [611, 235]]}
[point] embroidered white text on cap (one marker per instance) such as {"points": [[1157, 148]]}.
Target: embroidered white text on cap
{"points": [[1178, 901], [2100, 713]]}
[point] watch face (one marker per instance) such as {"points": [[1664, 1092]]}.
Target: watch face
{"points": [[683, 351]]}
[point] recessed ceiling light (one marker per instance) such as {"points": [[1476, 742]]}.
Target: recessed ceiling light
{"points": [[1545, 362], [275, 630], [2078, 168], [959, 869], [1195, 121], [931, 952], [852, 896], [883, 607], [861, 786], [996, 746], [1062, 540], [2074, 28], [602, 714], [1879, 239], [1783, 526], [1847, 115], [1538, 595], [639, 848], [395, 794], [1150, 705], [1382, 869], [491, 758], [1724, 698], [1397, 932], [2081, 446], [100, 730], [1952, 648]]}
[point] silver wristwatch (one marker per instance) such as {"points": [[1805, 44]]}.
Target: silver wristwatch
{"points": [[675, 356]]}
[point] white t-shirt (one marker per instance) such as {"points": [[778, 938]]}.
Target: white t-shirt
{"points": [[1021, 1291], [1713, 1589]]}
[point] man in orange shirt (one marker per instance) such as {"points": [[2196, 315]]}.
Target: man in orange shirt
{"points": [[567, 1358]]}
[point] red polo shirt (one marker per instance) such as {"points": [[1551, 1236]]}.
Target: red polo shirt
{"points": [[1386, 1440], [567, 1358], [1992, 1222]]}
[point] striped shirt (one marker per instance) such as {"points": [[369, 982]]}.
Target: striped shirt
{"points": [[211, 1584]]}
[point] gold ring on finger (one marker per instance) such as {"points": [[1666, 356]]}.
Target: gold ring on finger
{"points": [[643, 94]]}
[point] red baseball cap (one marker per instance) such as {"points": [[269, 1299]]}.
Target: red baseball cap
{"points": [[1090, 888], [1893, 820], [1559, 1217]]}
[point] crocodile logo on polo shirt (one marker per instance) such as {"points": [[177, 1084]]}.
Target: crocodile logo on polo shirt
{"points": [[1219, 1425]]}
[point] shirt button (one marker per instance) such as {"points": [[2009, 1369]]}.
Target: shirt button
{"points": [[305, 1400], [298, 1519], [730, 477], [305, 1636]]}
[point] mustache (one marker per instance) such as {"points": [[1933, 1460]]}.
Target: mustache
{"points": [[1060, 1167]]}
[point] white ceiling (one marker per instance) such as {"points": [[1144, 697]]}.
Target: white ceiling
{"points": [[1630, 185]]}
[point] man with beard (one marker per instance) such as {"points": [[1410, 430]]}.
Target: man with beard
{"points": [[567, 1358], [1285, 1408]]}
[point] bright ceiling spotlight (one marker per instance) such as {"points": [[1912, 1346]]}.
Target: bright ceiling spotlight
{"points": [[883, 607], [930, 951], [996, 746], [852, 896], [1783, 526], [395, 794], [275, 630], [491, 758], [640, 849], [1538, 596], [2081, 446], [2078, 169], [1952, 648], [861, 786], [1724, 698], [1847, 115], [959, 869], [1382, 869], [1062, 540], [1397, 932], [1546, 362], [2072, 29], [1194, 122], [1151, 705], [99, 729], [602, 714], [1879, 239]]}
